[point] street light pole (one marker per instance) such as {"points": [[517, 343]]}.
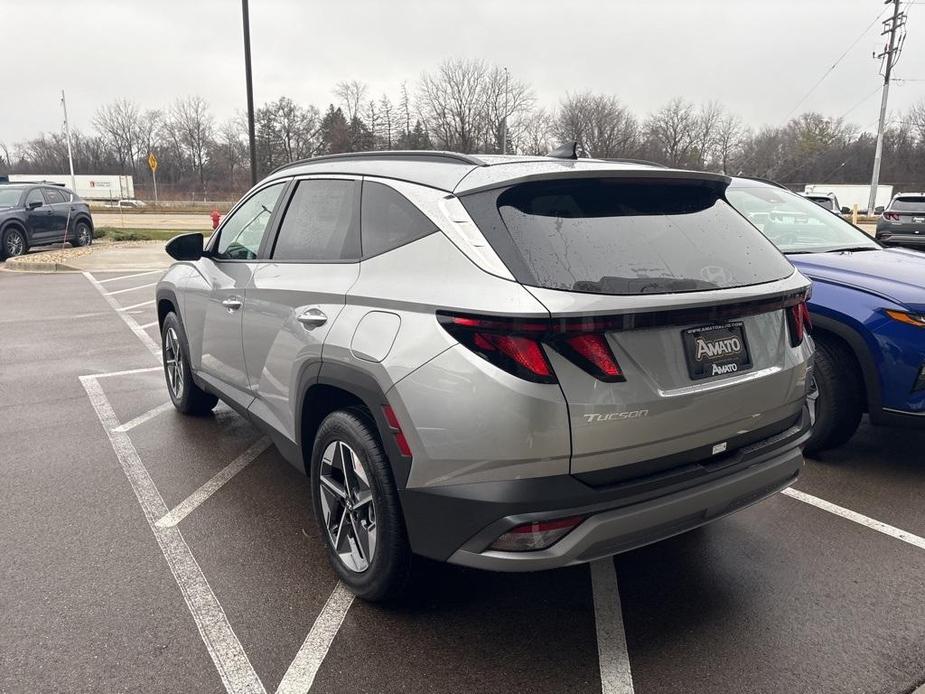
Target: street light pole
{"points": [[67, 135], [504, 120], [250, 92]]}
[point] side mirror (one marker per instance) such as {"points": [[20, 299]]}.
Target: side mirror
{"points": [[845, 210], [34, 204], [185, 246]]}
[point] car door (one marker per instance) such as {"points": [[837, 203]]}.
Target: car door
{"points": [[216, 301], [296, 295], [38, 214], [58, 219]]}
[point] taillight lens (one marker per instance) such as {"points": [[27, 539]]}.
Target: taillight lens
{"points": [[530, 537], [891, 216], [799, 322], [516, 345]]}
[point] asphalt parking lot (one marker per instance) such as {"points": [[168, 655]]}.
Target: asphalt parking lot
{"points": [[145, 551]]}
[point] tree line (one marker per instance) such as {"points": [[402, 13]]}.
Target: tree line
{"points": [[466, 106]]}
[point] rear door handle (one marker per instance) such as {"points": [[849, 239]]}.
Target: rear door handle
{"points": [[232, 303], [312, 317]]}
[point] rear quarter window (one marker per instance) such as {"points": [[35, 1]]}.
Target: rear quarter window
{"points": [[610, 236], [389, 220]]}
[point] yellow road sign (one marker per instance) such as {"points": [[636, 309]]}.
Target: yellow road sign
{"points": [[152, 161]]}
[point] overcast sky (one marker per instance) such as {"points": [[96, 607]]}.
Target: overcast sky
{"points": [[758, 57]]}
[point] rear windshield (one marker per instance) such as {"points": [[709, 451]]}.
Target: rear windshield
{"points": [[908, 204], [607, 236]]}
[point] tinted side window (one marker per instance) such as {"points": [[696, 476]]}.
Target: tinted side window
{"points": [[35, 194], [53, 196], [390, 220], [320, 223], [243, 231]]}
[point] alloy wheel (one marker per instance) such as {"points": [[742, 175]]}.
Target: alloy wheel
{"points": [[173, 363], [15, 245], [347, 506], [83, 235]]}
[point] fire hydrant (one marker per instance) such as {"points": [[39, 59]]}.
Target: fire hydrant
{"points": [[215, 218]]}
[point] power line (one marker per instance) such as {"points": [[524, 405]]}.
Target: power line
{"points": [[893, 26], [835, 64]]}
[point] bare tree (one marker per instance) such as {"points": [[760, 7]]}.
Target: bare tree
{"points": [[405, 108], [599, 123], [465, 103], [672, 132], [119, 123], [729, 139], [351, 94], [537, 132], [192, 123], [388, 121]]}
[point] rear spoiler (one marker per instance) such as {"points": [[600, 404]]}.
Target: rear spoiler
{"points": [[630, 175]]}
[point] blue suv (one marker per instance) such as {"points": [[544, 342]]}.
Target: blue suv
{"points": [[867, 310]]}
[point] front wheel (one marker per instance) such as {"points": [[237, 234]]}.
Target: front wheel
{"points": [[836, 397], [186, 396], [357, 509], [14, 244]]}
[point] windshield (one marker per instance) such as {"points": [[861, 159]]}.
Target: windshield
{"points": [[9, 196], [607, 236], [908, 204], [794, 224]]}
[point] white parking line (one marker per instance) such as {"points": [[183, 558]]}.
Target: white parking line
{"points": [[127, 372], [866, 521], [194, 500], [301, 672], [148, 325], [146, 340], [232, 663], [130, 289], [616, 676], [142, 418], [129, 308], [126, 277]]}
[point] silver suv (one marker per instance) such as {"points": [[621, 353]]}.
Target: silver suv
{"points": [[507, 363]]}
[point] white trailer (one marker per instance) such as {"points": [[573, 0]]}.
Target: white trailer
{"points": [[89, 186], [849, 194]]}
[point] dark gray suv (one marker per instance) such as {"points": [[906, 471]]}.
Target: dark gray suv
{"points": [[36, 214], [508, 363]]}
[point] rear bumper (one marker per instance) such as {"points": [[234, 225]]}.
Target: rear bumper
{"points": [[907, 239], [459, 523]]}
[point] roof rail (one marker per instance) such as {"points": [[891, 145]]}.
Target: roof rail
{"points": [[412, 154]]}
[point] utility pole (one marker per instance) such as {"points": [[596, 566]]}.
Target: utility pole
{"points": [[889, 56], [250, 92], [504, 120], [67, 136]]}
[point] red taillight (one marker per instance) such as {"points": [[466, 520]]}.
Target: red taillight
{"points": [[397, 434], [516, 345], [799, 322], [591, 352], [891, 216]]}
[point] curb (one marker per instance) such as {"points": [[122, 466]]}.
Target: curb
{"points": [[12, 265]]}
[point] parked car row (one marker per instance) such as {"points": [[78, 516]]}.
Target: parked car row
{"points": [[37, 214]]}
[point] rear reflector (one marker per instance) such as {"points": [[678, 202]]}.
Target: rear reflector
{"points": [[397, 434], [530, 537]]}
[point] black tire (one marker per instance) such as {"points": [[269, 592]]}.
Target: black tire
{"points": [[13, 244], [388, 571], [186, 396], [83, 236], [839, 404]]}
